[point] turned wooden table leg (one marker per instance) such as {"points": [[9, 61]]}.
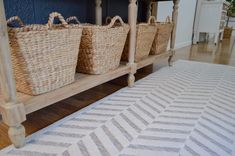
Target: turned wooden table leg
{"points": [[98, 12], [132, 19], [17, 135], [152, 9], [131, 76], [131, 80], [173, 34], [13, 115], [170, 60], [13, 112]]}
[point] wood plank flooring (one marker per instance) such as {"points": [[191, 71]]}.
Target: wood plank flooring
{"points": [[224, 53]]}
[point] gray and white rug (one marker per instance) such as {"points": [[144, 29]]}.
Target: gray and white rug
{"points": [[186, 110]]}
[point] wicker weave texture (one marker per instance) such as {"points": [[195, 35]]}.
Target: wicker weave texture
{"points": [[44, 56], [227, 32], [162, 37], [101, 47], [145, 35], [1, 95]]}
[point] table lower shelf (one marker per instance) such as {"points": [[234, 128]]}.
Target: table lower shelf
{"points": [[153, 58], [82, 82]]}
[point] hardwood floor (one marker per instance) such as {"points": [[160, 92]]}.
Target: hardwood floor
{"points": [[223, 53]]}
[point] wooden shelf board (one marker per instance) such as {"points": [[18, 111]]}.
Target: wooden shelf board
{"points": [[152, 58], [82, 82]]}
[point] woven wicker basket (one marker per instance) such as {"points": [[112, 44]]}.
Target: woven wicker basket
{"points": [[44, 56], [145, 36], [101, 46], [228, 32], [162, 37]]}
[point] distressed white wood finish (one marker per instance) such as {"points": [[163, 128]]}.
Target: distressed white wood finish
{"points": [[174, 20], [12, 112], [7, 79], [149, 11], [132, 19], [173, 34], [153, 58], [98, 10], [83, 82], [152, 9]]}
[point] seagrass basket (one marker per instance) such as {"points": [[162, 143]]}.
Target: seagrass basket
{"points": [[162, 37], [145, 35], [44, 56], [228, 32], [101, 46]]}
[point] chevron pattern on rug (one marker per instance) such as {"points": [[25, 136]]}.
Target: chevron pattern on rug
{"points": [[184, 110]]}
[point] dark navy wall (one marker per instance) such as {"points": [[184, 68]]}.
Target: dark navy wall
{"points": [[37, 11]]}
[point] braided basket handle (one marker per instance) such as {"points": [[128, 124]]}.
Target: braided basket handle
{"points": [[17, 19], [168, 19], [108, 20], [114, 20], [54, 15], [72, 18], [152, 20]]}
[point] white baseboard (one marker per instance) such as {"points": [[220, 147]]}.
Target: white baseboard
{"points": [[183, 44]]}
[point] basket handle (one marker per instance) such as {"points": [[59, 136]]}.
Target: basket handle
{"points": [[17, 19], [54, 15], [114, 20], [151, 20], [72, 18], [108, 20], [168, 19]]}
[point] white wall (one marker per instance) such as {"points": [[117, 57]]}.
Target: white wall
{"points": [[185, 20], [232, 24]]}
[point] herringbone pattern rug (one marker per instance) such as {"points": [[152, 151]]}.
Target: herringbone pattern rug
{"points": [[186, 110]]}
